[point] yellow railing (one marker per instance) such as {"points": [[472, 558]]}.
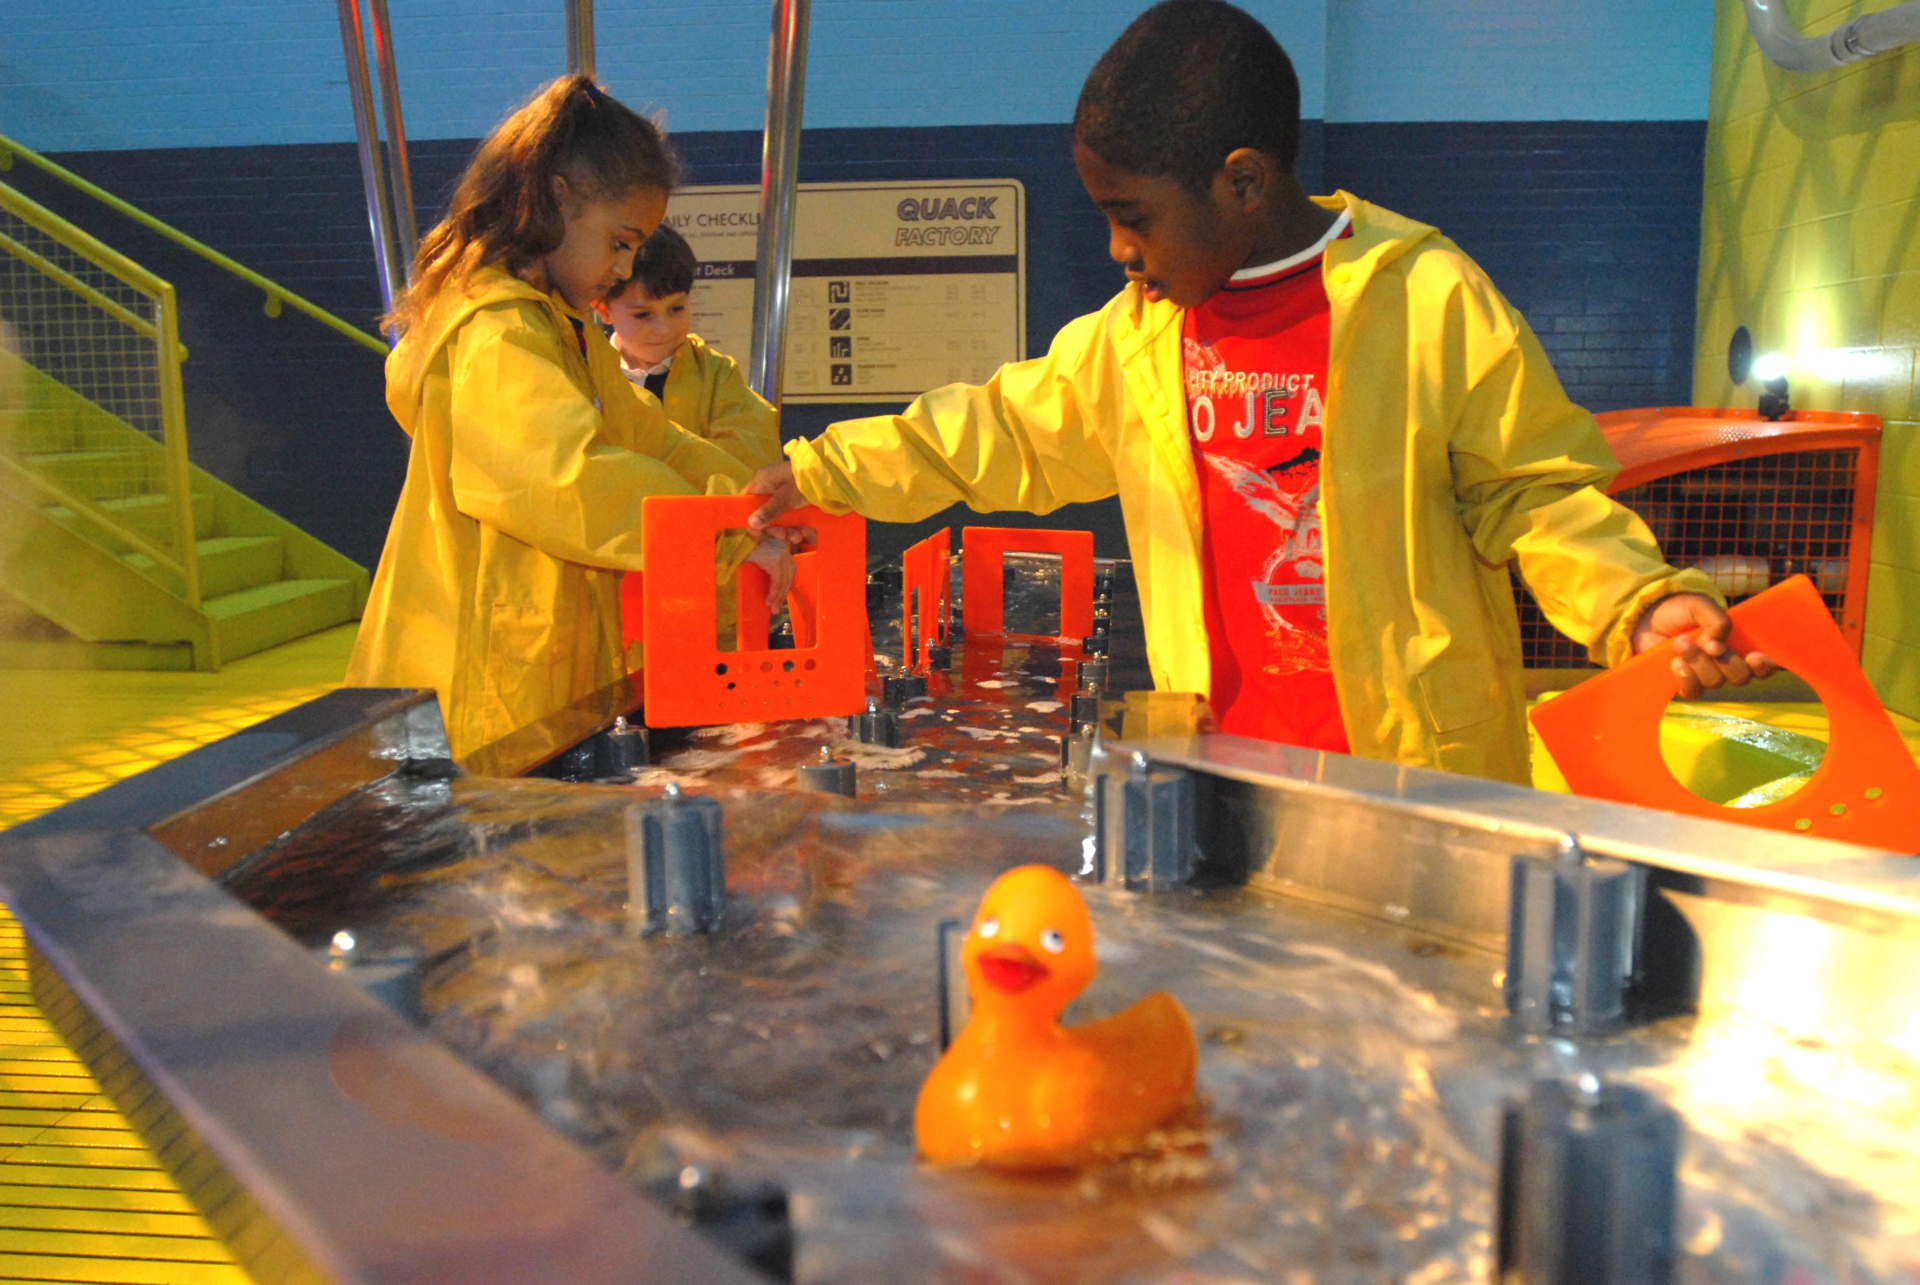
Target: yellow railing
{"points": [[104, 332], [277, 294]]}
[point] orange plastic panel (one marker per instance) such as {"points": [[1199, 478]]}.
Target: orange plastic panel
{"points": [[983, 595], [633, 598], [752, 618], [926, 568], [689, 681], [1605, 733]]}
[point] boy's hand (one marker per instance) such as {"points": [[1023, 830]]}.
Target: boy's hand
{"points": [[1704, 663], [773, 556], [775, 481]]}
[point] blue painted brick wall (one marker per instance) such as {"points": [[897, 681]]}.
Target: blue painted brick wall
{"points": [[1591, 228]]}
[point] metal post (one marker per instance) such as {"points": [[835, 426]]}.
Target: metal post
{"points": [[779, 168], [399, 173], [580, 37], [173, 441], [372, 172]]}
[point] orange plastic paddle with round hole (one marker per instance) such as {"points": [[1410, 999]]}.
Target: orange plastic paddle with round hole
{"points": [[1605, 733]]}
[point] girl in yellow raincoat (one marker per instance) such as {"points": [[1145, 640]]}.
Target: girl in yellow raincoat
{"points": [[531, 454]]}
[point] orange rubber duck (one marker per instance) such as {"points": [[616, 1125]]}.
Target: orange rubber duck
{"points": [[1018, 1090]]}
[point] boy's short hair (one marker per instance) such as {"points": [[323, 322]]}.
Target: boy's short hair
{"points": [[1184, 85], [663, 265]]}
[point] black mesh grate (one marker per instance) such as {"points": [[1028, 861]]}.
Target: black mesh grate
{"points": [[1747, 523]]}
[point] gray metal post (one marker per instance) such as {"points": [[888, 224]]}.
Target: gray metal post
{"points": [[372, 173], [779, 168], [406, 227], [580, 37]]}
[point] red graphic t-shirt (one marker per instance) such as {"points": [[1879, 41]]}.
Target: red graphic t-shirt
{"points": [[1255, 358]]}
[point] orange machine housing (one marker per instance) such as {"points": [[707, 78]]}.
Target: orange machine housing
{"points": [[1749, 501]]}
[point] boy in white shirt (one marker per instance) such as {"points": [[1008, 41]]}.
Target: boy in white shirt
{"points": [[701, 388]]}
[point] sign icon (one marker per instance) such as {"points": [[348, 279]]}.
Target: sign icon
{"points": [[842, 376], [839, 319], [839, 346], [839, 292]]}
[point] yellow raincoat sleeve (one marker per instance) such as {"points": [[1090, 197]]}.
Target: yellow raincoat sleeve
{"points": [[1027, 440], [529, 457], [1530, 469], [742, 423]]}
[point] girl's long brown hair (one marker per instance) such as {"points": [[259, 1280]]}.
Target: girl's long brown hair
{"points": [[504, 211]]}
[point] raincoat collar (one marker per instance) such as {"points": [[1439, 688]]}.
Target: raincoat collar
{"points": [[413, 356], [1379, 237]]}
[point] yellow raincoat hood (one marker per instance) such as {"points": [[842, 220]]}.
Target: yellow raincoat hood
{"points": [[1449, 451], [499, 584]]}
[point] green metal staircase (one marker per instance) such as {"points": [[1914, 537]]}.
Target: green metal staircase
{"points": [[115, 551]]}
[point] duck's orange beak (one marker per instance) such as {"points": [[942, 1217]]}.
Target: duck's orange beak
{"points": [[1011, 968]]}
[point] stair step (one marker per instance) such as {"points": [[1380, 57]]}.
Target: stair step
{"points": [[230, 564], [256, 619], [100, 475], [150, 515]]}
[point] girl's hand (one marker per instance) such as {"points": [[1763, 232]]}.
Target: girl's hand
{"points": [[773, 556], [1701, 663]]}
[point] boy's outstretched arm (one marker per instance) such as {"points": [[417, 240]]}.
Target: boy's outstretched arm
{"points": [[1704, 663], [1030, 439]]}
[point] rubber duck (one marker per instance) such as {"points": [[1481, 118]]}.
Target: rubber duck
{"points": [[1018, 1090]]}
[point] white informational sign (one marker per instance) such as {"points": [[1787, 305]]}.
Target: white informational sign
{"points": [[897, 287]]}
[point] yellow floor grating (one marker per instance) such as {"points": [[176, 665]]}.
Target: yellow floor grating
{"points": [[82, 1199]]}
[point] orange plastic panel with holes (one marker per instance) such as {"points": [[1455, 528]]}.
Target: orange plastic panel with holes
{"points": [[689, 681], [983, 596], [1605, 733], [633, 599], [926, 598]]}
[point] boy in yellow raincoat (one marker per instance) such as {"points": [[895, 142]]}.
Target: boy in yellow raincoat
{"points": [[531, 453], [1446, 447], [701, 388]]}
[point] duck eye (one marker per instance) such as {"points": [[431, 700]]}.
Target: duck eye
{"points": [[1052, 942], [988, 928]]}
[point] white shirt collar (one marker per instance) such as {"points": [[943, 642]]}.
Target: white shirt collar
{"points": [[1307, 255], [639, 376]]}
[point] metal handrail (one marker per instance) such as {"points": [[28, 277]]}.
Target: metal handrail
{"points": [[276, 293], [168, 353], [93, 513]]}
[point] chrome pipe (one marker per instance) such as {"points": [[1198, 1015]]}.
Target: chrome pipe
{"points": [[372, 173], [406, 227], [580, 37], [779, 170]]}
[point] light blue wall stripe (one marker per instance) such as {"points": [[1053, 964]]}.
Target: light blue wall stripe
{"points": [[1468, 60], [93, 74]]}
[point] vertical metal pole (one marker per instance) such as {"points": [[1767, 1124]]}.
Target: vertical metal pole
{"points": [[372, 173], [580, 37], [173, 441], [399, 173], [779, 168]]}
